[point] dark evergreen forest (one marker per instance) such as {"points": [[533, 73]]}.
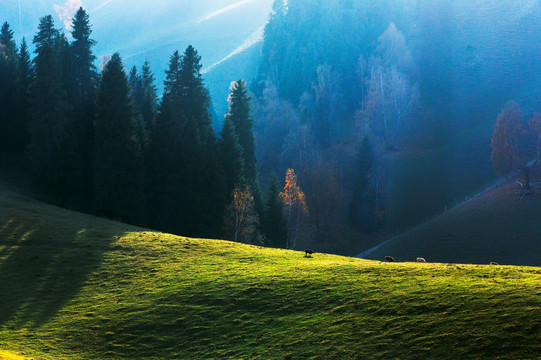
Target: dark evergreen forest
{"points": [[106, 143], [365, 118]]}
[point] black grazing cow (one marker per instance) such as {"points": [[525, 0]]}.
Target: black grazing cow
{"points": [[308, 252], [389, 258]]}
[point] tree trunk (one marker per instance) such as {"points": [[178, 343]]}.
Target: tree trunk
{"points": [[288, 225]]}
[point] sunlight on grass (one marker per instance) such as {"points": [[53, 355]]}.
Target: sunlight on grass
{"points": [[83, 287], [4, 355]]}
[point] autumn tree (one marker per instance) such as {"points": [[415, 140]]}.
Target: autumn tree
{"points": [[516, 145], [507, 138], [293, 200], [392, 95], [242, 222], [534, 127]]}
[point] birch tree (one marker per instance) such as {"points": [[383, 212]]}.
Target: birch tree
{"points": [[294, 201]]}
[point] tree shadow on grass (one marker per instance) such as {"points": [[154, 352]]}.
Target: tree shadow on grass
{"points": [[46, 256]]}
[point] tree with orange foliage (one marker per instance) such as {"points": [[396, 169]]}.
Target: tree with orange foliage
{"points": [[534, 124], [243, 220], [293, 199], [514, 144], [506, 139]]}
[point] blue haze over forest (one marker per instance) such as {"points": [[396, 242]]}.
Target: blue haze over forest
{"points": [[142, 29]]}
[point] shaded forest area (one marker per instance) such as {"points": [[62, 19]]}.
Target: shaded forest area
{"points": [[104, 142], [380, 114], [386, 108]]}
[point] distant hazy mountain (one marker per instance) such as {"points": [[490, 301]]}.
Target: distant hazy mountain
{"points": [[225, 32]]}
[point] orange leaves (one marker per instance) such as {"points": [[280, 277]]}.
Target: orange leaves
{"points": [[506, 139], [242, 199], [292, 194]]}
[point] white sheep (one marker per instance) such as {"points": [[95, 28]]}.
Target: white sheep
{"points": [[421, 260]]}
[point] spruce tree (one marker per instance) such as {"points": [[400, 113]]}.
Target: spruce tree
{"points": [[83, 80], [165, 175], [136, 95], [134, 81], [274, 226], [149, 101], [186, 190], [231, 158], [8, 85], [119, 169], [144, 95], [194, 98], [241, 118], [205, 189], [83, 58], [24, 79], [53, 144]]}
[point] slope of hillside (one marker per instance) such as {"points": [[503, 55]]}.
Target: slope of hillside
{"points": [[498, 226], [76, 286]]}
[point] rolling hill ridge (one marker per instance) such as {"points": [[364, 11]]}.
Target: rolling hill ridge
{"points": [[497, 226], [77, 286]]}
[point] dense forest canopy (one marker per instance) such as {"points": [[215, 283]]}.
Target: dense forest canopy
{"points": [[363, 107], [423, 80]]}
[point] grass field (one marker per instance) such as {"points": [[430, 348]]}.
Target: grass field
{"points": [[79, 287], [498, 226]]}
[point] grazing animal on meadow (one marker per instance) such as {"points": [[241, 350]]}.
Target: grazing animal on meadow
{"points": [[494, 263], [421, 260], [308, 252], [389, 259]]}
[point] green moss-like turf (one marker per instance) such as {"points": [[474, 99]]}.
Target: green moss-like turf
{"points": [[74, 286]]}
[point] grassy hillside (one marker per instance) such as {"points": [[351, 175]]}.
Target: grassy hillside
{"points": [[497, 226], [75, 286]]}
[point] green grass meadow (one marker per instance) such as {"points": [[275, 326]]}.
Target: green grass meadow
{"points": [[74, 286]]}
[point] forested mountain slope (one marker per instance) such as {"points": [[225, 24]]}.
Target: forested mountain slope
{"points": [[423, 80]]}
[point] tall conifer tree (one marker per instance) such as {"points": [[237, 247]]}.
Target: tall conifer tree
{"points": [[186, 179], [53, 144], [24, 78], [144, 95], [241, 118], [82, 93], [149, 98], [119, 169], [206, 190], [8, 85], [231, 158], [274, 226], [164, 163]]}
